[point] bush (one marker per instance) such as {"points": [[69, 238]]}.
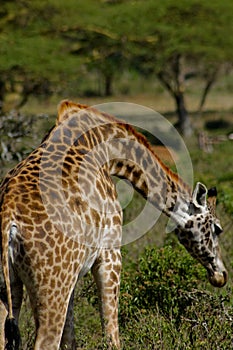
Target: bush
{"points": [[163, 303], [163, 279]]}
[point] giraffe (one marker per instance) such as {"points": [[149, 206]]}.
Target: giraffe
{"points": [[60, 217]]}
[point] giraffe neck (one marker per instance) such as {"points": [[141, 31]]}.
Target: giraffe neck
{"points": [[129, 156], [137, 163]]}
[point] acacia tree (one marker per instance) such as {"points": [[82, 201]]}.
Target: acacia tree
{"points": [[18, 56], [101, 51], [190, 40], [31, 62], [199, 49], [175, 41]]}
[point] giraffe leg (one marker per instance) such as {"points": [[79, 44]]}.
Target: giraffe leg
{"points": [[50, 315], [49, 302], [68, 336], [17, 298], [106, 271]]}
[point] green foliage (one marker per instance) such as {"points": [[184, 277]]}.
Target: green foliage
{"points": [[226, 195], [163, 280], [205, 327], [74, 41], [165, 299]]}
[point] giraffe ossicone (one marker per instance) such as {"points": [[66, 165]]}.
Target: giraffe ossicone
{"points": [[60, 216]]}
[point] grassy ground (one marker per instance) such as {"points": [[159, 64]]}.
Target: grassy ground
{"points": [[177, 309]]}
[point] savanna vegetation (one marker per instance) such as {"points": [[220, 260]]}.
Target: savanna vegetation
{"points": [[172, 56]]}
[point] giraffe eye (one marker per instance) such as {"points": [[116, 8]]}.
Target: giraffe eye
{"points": [[217, 229]]}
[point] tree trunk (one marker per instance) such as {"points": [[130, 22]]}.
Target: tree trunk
{"points": [[210, 80], [184, 120], [2, 94], [174, 80], [108, 78]]}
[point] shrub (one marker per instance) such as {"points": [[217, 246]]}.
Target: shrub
{"points": [[163, 279], [163, 303]]}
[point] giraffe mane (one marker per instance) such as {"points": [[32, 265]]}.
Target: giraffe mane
{"points": [[143, 140], [67, 108]]}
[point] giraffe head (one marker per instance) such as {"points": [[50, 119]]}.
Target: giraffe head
{"points": [[199, 233]]}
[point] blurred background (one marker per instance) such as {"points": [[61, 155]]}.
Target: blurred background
{"points": [[175, 57]]}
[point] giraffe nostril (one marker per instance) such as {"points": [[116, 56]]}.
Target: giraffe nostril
{"points": [[225, 275]]}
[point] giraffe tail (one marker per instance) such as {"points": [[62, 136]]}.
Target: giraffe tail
{"points": [[12, 334]]}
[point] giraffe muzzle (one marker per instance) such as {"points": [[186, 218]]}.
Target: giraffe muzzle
{"points": [[218, 279]]}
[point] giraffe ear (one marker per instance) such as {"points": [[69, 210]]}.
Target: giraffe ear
{"points": [[199, 195], [212, 197]]}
